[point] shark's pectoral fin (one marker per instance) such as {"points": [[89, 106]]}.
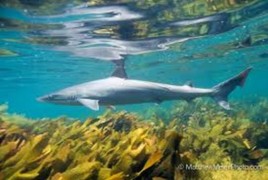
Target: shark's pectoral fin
{"points": [[90, 103]]}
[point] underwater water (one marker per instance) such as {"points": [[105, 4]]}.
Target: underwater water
{"points": [[47, 46]]}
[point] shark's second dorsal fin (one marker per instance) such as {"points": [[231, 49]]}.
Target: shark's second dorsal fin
{"points": [[189, 83], [119, 69]]}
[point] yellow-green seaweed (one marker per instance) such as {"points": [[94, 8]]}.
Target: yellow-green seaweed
{"points": [[6, 52], [121, 145]]}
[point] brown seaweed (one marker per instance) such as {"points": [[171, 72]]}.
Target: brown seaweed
{"points": [[121, 145]]}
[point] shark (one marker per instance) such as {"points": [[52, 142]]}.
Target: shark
{"points": [[118, 89]]}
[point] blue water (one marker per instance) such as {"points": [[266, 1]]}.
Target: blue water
{"points": [[46, 46]]}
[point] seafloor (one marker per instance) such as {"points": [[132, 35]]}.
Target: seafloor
{"points": [[193, 141]]}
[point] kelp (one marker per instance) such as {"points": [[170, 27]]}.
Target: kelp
{"points": [[6, 52], [114, 146], [199, 141], [216, 141]]}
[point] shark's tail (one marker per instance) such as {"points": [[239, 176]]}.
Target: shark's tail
{"points": [[222, 90]]}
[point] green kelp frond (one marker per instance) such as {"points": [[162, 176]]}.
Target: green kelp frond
{"points": [[200, 141]]}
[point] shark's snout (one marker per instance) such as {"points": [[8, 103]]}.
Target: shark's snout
{"points": [[56, 98], [45, 98]]}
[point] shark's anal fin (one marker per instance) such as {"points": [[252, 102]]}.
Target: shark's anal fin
{"points": [[224, 104], [158, 101], [90, 103], [119, 69]]}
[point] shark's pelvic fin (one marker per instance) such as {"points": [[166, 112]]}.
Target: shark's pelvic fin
{"points": [[119, 69], [90, 103], [222, 90], [111, 107]]}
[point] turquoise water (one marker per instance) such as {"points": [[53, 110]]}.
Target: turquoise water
{"points": [[46, 46]]}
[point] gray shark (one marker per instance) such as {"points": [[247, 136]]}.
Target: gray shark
{"points": [[119, 90]]}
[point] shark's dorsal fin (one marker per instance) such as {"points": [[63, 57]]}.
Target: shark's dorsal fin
{"points": [[90, 103], [119, 69]]}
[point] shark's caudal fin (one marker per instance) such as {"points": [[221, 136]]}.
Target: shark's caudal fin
{"points": [[222, 90]]}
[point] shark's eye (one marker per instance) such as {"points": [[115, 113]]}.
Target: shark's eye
{"points": [[54, 96], [49, 97]]}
